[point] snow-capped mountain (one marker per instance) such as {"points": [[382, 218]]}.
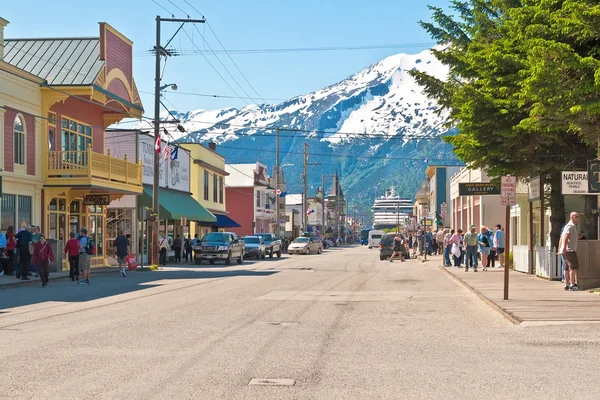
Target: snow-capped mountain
{"points": [[382, 99], [376, 125]]}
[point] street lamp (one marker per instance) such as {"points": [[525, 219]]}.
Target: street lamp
{"points": [[173, 87]]}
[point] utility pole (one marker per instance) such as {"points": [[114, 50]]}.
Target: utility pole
{"points": [[324, 211], [277, 223], [153, 248], [304, 193]]}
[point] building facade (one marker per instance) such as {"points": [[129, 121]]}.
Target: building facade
{"points": [[180, 212], [87, 84], [20, 144], [474, 210], [208, 176], [251, 198]]}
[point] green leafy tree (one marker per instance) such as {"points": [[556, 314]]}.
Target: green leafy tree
{"points": [[488, 56]]}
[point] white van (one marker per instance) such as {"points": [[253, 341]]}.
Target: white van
{"points": [[375, 238]]}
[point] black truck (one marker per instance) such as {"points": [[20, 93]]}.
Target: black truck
{"points": [[219, 246]]}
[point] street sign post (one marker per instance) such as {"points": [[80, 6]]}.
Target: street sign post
{"points": [[508, 193]]}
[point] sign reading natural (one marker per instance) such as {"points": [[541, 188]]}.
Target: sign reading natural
{"points": [[477, 189]]}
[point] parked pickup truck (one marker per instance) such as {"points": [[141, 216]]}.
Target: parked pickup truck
{"points": [[223, 246], [272, 244]]}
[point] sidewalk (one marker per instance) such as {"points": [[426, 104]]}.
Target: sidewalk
{"points": [[532, 300], [10, 281]]}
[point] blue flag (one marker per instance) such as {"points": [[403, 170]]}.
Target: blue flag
{"points": [[174, 153]]}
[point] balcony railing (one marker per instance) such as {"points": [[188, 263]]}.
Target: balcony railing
{"points": [[89, 164]]}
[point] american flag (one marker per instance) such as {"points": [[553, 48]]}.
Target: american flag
{"points": [[167, 152]]}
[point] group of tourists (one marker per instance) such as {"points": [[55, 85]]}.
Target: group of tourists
{"points": [[27, 251], [469, 248]]}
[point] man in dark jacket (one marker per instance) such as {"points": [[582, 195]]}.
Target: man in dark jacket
{"points": [[24, 237]]}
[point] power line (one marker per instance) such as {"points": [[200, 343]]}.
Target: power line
{"points": [[304, 49], [213, 67], [217, 96], [221, 62], [155, 2], [225, 50], [234, 63]]}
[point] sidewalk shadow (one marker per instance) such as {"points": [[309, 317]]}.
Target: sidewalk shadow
{"points": [[108, 285]]}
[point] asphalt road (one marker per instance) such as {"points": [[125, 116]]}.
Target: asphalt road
{"points": [[341, 325]]}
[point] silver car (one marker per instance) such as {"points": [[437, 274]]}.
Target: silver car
{"points": [[306, 245], [255, 247]]}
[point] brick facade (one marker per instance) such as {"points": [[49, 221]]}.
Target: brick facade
{"points": [[9, 120]]}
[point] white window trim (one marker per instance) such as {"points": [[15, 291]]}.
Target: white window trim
{"points": [[18, 166]]}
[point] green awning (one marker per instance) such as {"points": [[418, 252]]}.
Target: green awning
{"points": [[175, 205]]}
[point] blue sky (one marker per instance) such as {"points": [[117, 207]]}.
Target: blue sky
{"points": [[239, 24]]}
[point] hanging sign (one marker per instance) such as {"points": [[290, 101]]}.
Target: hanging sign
{"points": [[477, 189], [96, 199]]}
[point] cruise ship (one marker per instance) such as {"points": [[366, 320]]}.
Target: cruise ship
{"points": [[389, 210]]}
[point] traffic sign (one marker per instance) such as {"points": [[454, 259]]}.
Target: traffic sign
{"points": [[508, 201], [508, 186]]}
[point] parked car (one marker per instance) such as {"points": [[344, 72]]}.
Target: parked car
{"points": [[219, 246], [306, 245], [386, 246], [255, 247], [272, 244]]}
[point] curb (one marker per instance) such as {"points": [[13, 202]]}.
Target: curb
{"points": [[513, 319], [34, 281]]}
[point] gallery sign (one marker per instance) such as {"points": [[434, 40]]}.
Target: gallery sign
{"points": [[174, 174], [574, 182], [477, 189]]}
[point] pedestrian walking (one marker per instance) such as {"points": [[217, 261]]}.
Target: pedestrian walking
{"points": [[397, 249], [498, 243], [568, 249], [177, 245], [3, 258], [163, 245], [447, 246], [195, 244], [42, 257], [122, 250], [455, 242], [36, 232], [484, 247], [72, 254], [85, 253], [471, 244], [439, 240], [11, 251], [24, 246], [187, 253]]}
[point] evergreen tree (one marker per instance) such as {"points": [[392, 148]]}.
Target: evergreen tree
{"points": [[492, 98]]}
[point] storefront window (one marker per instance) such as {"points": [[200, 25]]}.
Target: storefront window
{"points": [[58, 218], [25, 210], [95, 228], [8, 211]]}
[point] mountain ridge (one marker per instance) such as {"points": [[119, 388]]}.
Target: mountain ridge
{"points": [[369, 127]]}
